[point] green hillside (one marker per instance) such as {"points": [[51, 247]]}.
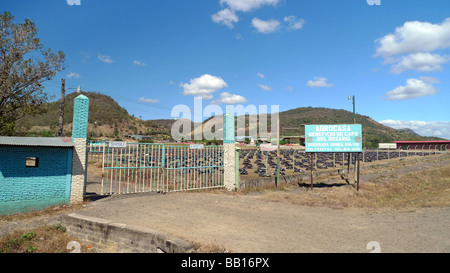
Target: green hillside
{"points": [[113, 121]]}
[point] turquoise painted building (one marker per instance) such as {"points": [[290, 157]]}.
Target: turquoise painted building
{"points": [[35, 173]]}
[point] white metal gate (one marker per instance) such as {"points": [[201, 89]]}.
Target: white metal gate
{"points": [[140, 167]]}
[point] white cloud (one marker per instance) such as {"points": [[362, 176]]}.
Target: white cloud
{"points": [[105, 59], [139, 63], [429, 79], [423, 128], [262, 76], [226, 17], [73, 75], [423, 62], [265, 27], [294, 23], [319, 82], [290, 88], [413, 88], [265, 87], [414, 37], [148, 100], [228, 98], [410, 46], [203, 86], [248, 5]]}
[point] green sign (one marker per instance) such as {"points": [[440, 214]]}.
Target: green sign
{"points": [[333, 138]]}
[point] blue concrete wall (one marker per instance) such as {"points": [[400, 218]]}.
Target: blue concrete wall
{"points": [[25, 189]]}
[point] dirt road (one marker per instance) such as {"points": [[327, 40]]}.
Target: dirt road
{"points": [[251, 224]]}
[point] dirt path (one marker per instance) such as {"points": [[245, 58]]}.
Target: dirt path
{"points": [[250, 224]]}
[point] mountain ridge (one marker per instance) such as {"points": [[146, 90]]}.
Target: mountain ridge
{"points": [[107, 119]]}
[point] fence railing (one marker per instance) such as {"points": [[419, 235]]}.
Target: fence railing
{"points": [[140, 167]]}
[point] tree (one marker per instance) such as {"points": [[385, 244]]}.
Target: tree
{"points": [[24, 65]]}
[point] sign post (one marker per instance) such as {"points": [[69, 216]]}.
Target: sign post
{"points": [[334, 138]]}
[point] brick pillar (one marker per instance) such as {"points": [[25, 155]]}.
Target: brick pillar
{"points": [[79, 138], [229, 153]]}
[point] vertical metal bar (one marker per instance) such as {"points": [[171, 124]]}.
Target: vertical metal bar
{"points": [[107, 171], [194, 164], [103, 171], [237, 169], [135, 167], [120, 170], [112, 170], [116, 170], [144, 171], [163, 167], [203, 151], [171, 160], [127, 158], [150, 165]]}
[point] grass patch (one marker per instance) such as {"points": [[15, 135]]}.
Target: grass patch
{"points": [[50, 239], [53, 210], [427, 188]]}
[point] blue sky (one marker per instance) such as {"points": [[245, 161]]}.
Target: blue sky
{"points": [[152, 55]]}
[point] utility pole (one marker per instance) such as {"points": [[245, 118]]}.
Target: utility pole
{"points": [[61, 107], [354, 113], [353, 154]]}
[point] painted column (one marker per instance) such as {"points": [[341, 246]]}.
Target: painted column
{"points": [[79, 138], [229, 160]]}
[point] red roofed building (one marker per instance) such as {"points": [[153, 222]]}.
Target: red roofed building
{"points": [[436, 145]]}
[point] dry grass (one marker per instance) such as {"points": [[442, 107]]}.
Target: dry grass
{"points": [[428, 188], [40, 240], [53, 210]]}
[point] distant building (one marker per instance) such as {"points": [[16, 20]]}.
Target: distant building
{"points": [[298, 140], [437, 145], [139, 137]]}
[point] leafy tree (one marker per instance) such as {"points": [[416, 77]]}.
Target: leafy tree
{"points": [[24, 65]]}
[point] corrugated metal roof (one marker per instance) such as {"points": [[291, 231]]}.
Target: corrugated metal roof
{"points": [[35, 141], [423, 141]]}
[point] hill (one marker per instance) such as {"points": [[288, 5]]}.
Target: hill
{"points": [[113, 121]]}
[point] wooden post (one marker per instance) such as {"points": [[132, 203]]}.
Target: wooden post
{"points": [[312, 168], [61, 107], [348, 166], [357, 180]]}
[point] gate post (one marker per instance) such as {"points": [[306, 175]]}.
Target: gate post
{"points": [[79, 139], [229, 153]]}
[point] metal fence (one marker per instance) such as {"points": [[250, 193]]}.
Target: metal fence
{"points": [[161, 168]]}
